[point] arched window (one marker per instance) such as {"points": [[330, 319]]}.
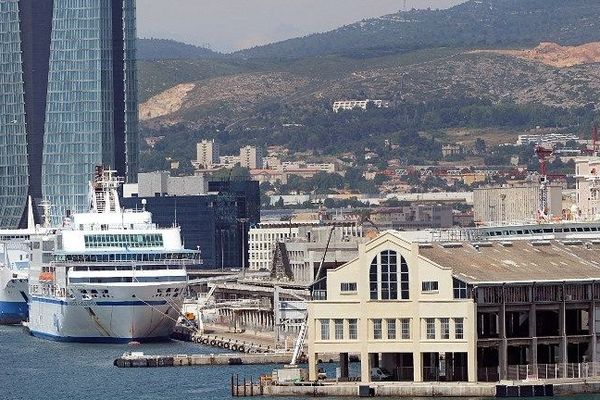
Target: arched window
{"points": [[383, 277]]}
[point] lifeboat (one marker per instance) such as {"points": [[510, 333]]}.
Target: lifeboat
{"points": [[46, 276]]}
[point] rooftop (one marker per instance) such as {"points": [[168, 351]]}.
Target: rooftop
{"points": [[518, 261]]}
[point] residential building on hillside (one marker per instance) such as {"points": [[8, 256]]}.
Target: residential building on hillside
{"points": [[514, 202], [357, 104], [460, 311], [207, 154], [251, 157], [68, 101], [548, 140], [449, 150]]}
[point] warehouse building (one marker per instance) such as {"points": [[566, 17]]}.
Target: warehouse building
{"points": [[462, 311]]}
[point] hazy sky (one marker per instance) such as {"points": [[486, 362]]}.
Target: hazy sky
{"points": [[228, 25]]}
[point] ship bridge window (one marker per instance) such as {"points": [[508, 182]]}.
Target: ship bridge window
{"points": [[124, 240]]}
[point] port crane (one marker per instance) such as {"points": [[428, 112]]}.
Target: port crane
{"points": [[304, 327]]}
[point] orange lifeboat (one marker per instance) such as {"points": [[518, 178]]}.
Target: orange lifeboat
{"points": [[46, 276]]}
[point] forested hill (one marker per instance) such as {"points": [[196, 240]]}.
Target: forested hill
{"points": [[165, 49], [476, 23]]}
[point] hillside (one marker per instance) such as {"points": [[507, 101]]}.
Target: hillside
{"points": [[558, 56], [164, 49], [474, 24], [414, 77], [478, 67]]}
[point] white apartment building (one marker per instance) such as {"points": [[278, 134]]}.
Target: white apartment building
{"points": [[207, 154], [306, 251], [357, 104], [548, 140], [587, 189], [251, 157], [262, 239]]}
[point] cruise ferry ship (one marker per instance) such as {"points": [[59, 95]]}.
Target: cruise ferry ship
{"points": [[107, 275], [14, 265]]}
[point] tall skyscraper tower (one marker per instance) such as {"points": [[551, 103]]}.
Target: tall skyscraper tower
{"points": [[68, 101]]}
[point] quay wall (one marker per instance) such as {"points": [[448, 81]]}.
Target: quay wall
{"points": [[183, 360], [411, 390]]}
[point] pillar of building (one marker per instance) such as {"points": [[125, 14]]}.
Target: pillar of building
{"points": [[365, 367], [417, 367], [533, 335], [344, 365], [592, 324], [312, 366], [562, 326], [503, 346]]}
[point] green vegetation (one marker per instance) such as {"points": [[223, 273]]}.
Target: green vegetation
{"points": [[414, 127], [476, 23], [165, 49]]}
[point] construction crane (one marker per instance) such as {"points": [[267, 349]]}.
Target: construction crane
{"points": [[304, 328], [543, 155]]}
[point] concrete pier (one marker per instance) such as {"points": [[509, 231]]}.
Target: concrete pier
{"points": [[139, 360], [247, 388]]}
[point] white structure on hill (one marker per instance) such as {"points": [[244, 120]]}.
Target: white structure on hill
{"points": [[357, 104]]}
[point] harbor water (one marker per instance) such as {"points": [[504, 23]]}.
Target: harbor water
{"points": [[33, 368]]}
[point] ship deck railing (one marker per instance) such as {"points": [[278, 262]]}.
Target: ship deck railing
{"points": [[132, 264]]}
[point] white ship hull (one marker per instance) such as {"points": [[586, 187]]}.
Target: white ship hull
{"points": [[13, 298], [132, 312]]}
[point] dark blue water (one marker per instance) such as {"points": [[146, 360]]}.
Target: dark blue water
{"points": [[32, 369]]}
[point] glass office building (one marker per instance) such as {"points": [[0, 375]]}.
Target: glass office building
{"points": [[68, 79]]}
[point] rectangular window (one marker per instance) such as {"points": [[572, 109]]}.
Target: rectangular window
{"points": [[348, 286], [459, 328], [377, 334], [352, 329], [430, 328], [324, 329], [338, 325], [391, 329], [445, 327], [459, 288], [429, 286], [405, 323]]}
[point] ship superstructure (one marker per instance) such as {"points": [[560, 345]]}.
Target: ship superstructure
{"points": [[108, 275]]}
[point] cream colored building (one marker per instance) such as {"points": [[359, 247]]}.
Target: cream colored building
{"points": [[396, 310], [207, 154], [251, 157], [587, 189], [514, 202], [505, 309]]}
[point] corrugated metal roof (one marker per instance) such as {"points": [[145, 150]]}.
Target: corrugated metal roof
{"points": [[521, 262]]}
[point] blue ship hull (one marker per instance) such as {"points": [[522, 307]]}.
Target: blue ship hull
{"points": [[13, 312], [99, 339]]}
